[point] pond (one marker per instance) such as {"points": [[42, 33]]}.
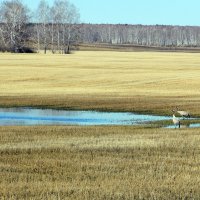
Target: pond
{"points": [[32, 116]]}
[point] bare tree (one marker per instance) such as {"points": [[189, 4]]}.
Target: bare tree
{"points": [[14, 17], [71, 20], [65, 17], [52, 28], [56, 21], [43, 19]]}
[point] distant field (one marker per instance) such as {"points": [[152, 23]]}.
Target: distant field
{"points": [[99, 163], [132, 81], [135, 48]]}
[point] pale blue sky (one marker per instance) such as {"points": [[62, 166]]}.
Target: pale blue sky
{"points": [[171, 12]]}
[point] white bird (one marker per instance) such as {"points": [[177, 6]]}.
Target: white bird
{"points": [[176, 121], [184, 114]]}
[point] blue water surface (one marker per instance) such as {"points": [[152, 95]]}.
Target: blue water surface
{"points": [[32, 116]]}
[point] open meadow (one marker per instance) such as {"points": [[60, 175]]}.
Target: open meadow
{"points": [[100, 162], [126, 81]]}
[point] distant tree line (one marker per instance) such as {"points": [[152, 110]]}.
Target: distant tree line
{"points": [[57, 28], [53, 28], [157, 35]]}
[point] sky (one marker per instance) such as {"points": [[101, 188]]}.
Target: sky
{"points": [[146, 12]]}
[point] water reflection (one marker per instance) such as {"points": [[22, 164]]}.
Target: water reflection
{"points": [[192, 125], [29, 116]]}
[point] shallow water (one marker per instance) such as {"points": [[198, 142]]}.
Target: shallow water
{"points": [[192, 125], [31, 116]]}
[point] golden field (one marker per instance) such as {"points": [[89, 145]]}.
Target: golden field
{"points": [[99, 163], [133, 81]]}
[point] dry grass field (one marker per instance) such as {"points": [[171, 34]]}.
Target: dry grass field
{"points": [[99, 163], [133, 81], [110, 162]]}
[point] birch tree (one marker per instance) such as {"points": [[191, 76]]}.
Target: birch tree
{"points": [[14, 17], [43, 19], [65, 18]]}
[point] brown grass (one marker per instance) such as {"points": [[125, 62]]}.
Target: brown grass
{"points": [[112, 162], [99, 163], [128, 81]]}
